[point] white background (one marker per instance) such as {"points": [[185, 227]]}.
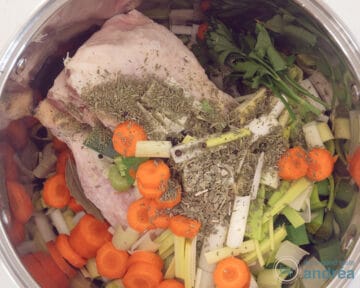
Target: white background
{"points": [[15, 13]]}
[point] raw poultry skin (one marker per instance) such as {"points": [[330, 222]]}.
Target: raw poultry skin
{"points": [[130, 44], [91, 169]]}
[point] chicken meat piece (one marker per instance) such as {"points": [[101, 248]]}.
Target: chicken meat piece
{"points": [[132, 45], [91, 170]]}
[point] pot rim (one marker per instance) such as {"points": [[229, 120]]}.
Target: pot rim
{"points": [[10, 56]]}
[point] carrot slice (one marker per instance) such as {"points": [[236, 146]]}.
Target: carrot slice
{"points": [[153, 173], [59, 145], [171, 200], [75, 206], [142, 275], [137, 215], [59, 260], [184, 226], [66, 251], [161, 221], [55, 193], [146, 257], [321, 164], [111, 262], [7, 154], [20, 202], [48, 265], [171, 283], [293, 164], [33, 266], [125, 136], [62, 158], [17, 134], [354, 166], [202, 30], [16, 232], [232, 273], [88, 236]]}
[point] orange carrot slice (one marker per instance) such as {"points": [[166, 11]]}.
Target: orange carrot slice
{"points": [[59, 260], [171, 283], [137, 215], [66, 251], [232, 273], [20, 202], [125, 136], [321, 164], [293, 164], [111, 262], [142, 275], [184, 226], [146, 257], [55, 193]]}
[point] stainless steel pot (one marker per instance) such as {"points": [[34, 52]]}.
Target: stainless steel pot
{"points": [[44, 40]]}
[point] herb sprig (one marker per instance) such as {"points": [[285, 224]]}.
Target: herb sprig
{"points": [[263, 65]]}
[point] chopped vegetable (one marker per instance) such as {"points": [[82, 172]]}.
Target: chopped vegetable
{"points": [[124, 239], [155, 149], [297, 235], [342, 128], [88, 236], [125, 137], [217, 255], [171, 283], [62, 158], [146, 274], [58, 145], [270, 278], [118, 182], [321, 164], [312, 135], [63, 246], [59, 222], [152, 178], [238, 220], [44, 227], [146, 257], [55, 193], [190, 262], [290, 254], [16, 232], [293, 164], [20, 202], [184, 227], [59, 260], [354, 166], [74, 205], [293, 216], [232, 272], [137, 215], [202, 30], [324, 132], [92, 268], [110, 262], [7, 154]]}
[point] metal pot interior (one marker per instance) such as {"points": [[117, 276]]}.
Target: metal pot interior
{"points": [[58, 28]]}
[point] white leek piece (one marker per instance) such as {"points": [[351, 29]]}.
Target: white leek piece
{"points": [[44, 227], [179, 243], [170, 272], [307, 268], [277, 109], [124, 239], [204, 279], [190, 262], [59, 222], [47, 162], [182, 16], [78, 217], [92, 268], [212, 242], [342, 128], [154, 149], [306, 211], [270, 278], [253, 283], [290, 254], [181, 29], [145, 243], [219, 254], [257, 176], [270, 177], [325, 132], [299, 201], [262, 126], [238, 221], [312, 135], [310, 87], [355, 130]]}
